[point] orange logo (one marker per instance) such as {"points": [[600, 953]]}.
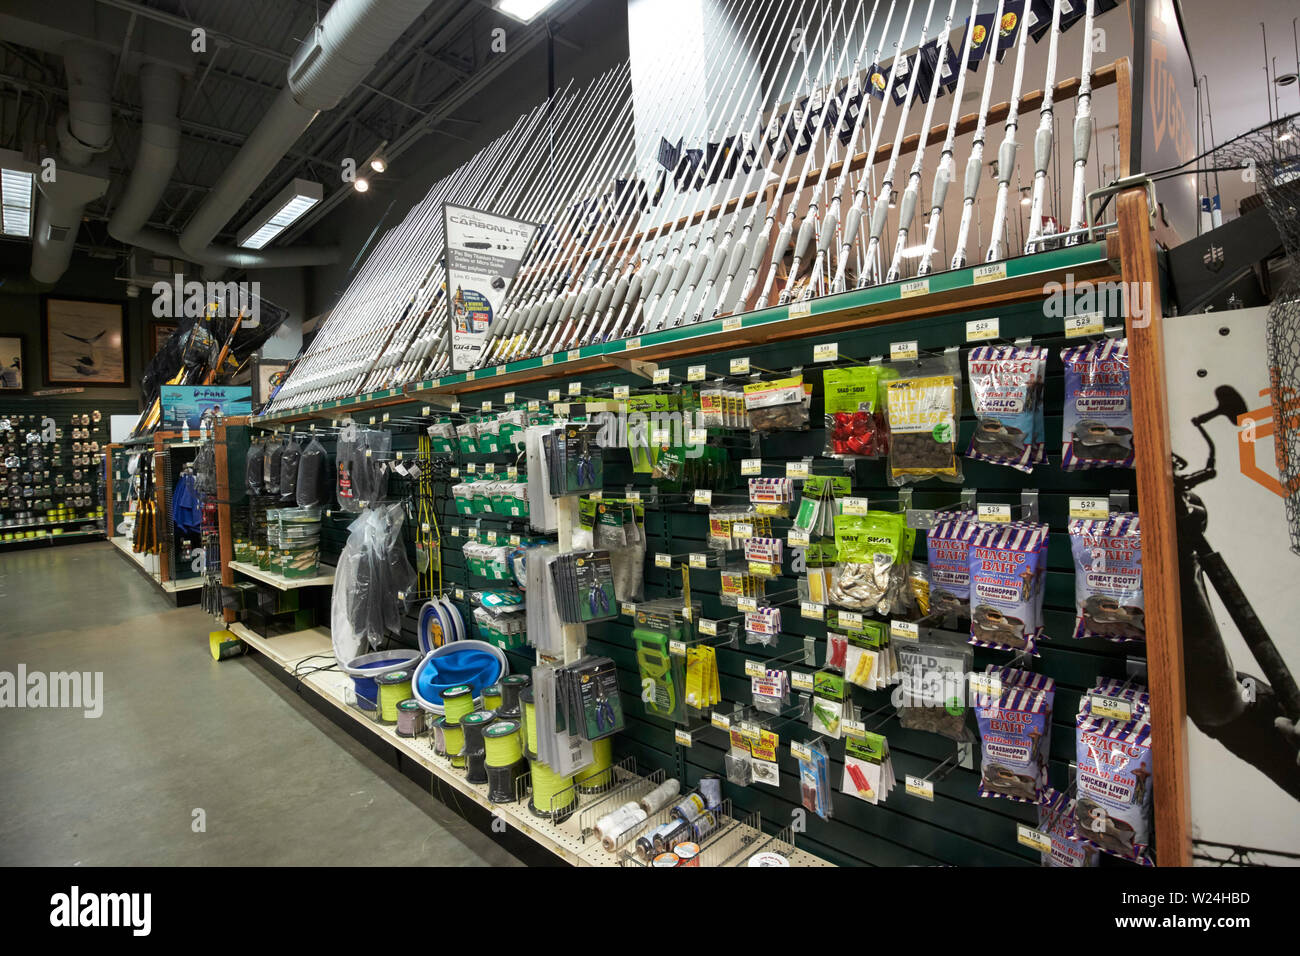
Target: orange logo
{"points": [[1258, 424]]}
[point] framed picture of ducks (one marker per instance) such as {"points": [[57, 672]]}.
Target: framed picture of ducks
{"points": [[85, 342]]}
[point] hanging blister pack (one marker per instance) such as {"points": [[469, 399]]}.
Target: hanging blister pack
{"points": [[1006, 388], [868, 769], [815, 778]]}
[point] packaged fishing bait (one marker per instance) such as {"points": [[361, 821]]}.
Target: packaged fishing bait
{"points": [[873, 571], [1006, 390], [1013, 709], [1056, 821], [1113, 808], [923, 407], [948, 554], [1108, 577], [932, 689], [1007, 564], [1097, 431], [815, 778], [289, 458], [855, 419], [780, 405], [309, 488]]}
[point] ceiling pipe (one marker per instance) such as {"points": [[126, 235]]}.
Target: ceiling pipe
{"points": [[84, 132], [343, 49], [155, 162]]}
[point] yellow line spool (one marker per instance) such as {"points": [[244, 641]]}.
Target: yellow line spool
{"points": [[454, 737], [530, 722], [597, 775], [501, 744], [492, 697], [457, 702], [553, 795], [393, 689]]}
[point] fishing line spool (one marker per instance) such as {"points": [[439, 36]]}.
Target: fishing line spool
{"points": [[597, 775], [457, 702], [511, 687], [503, 758], [554, 797], [394, 688], [492, 697], [529, 722], [453, 736], [473, 725], [410, 718]]}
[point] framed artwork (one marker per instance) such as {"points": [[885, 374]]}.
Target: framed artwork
{"points": [[159, 333], [85, 342], [11, 364]]}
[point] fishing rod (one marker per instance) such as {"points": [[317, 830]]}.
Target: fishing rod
{"points": [[655, 316], [1007, 151], [912, 191], [1043, 138], [786, 234], [831, 219], [1082, 132], [943, 174], [639, 279], [975, 162], [719, 254], [881, 212], [662, 272], [853, 218], [808, 228]]}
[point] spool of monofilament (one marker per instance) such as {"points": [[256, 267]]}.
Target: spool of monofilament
{"points": [[457, 702], [454, 737], [492, 697], [554, 797], [512, 685], [473, 726], [393, 689], [504, 759], [597, 775], [529, 715], [410, 718]]}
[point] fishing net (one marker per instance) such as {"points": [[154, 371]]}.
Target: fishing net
{"points": [[1271, 154]]}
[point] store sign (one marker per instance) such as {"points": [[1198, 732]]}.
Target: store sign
{"points": [[483, 254], [186, 404]]}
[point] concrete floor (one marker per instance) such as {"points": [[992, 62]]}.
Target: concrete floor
{"points": [[279, 784]]}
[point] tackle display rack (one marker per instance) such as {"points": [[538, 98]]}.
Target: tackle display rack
{"points": [[958, 827]]}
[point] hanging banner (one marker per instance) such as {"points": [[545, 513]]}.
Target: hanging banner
{"points": [[483, 255], [186, 404]]}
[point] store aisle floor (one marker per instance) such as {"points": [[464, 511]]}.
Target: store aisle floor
{"points": [[276, 781]]}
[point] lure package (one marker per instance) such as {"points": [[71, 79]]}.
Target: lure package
{"points": [[1007, 565], [1056, 821], [1097, 431], [948, 554], [815, 778], [1113, 808], [923, 407], [873, 550], [1014, 711], [584, 587], [1006, 390], [855, 417], [780, 405], [868, 768], [1108, 577], [933, 687]]}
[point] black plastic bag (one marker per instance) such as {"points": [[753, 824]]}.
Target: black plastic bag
{"points": [[289, 472], [310, 486], [253, 476], [274, 456]]}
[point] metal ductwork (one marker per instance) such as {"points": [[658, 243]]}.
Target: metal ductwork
{"points": [[155, 161], [344, 48], [85, 131]]}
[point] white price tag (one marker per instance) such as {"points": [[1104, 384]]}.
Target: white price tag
{"points": [[548, 360], [696, 373], [922, 789], [677, 648], [797, 469], [698, 560], [470, 468], [993, 272], [573, 355], [455, 472], [910, 290], [904, 630], [853, 728], [755, 669], [460, 594], [534, 405], [997, 514], [739, 366], [986, 685], [575, 388], [516, 540], [742, 529], [661, 376], [721, 721], [512, 471], [708, 627], [455, 406], [850, 619], [702, 496], [900, 351], [747, 604], [800, 310], [979, 329], [485, 406], [798, 539], [800, 751], [682, 737], [552, 394], [633, 343], [621, 392], [1110, 708], [697, 436], [751, 466], [812, 611], [1034, 839], [627, 608], [660, 436], [801, 680], [501, 370], [854, 506], [663, 560], [1092, 508], [596, 495], [510, 396], [731, 324], [826, 352], [1088, 323]]}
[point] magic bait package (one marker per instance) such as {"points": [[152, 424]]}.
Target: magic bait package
{"points": [[1112, 810], [923, 405], [1007, 564], [948, 555], [1056, 821], [1013, 709], [1108, 577], [1006, 390], [1097, 431]]}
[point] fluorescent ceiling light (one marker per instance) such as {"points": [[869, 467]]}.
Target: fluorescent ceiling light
{"points": [[17, 195], [524, 10], [280, 213]]}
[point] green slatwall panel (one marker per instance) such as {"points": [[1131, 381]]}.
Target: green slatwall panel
{"points": [[959, 828]]}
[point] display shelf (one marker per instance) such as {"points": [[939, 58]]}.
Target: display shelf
{"points": [[280, 581], [47, 524], [565, 840], [148, 563], [1014, 280], [55, 537]]}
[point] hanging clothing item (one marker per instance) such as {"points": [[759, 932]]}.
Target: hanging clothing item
{"points": [[187, 512]]}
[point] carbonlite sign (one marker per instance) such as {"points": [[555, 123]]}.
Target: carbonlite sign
{"points": [[483, 256]]}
